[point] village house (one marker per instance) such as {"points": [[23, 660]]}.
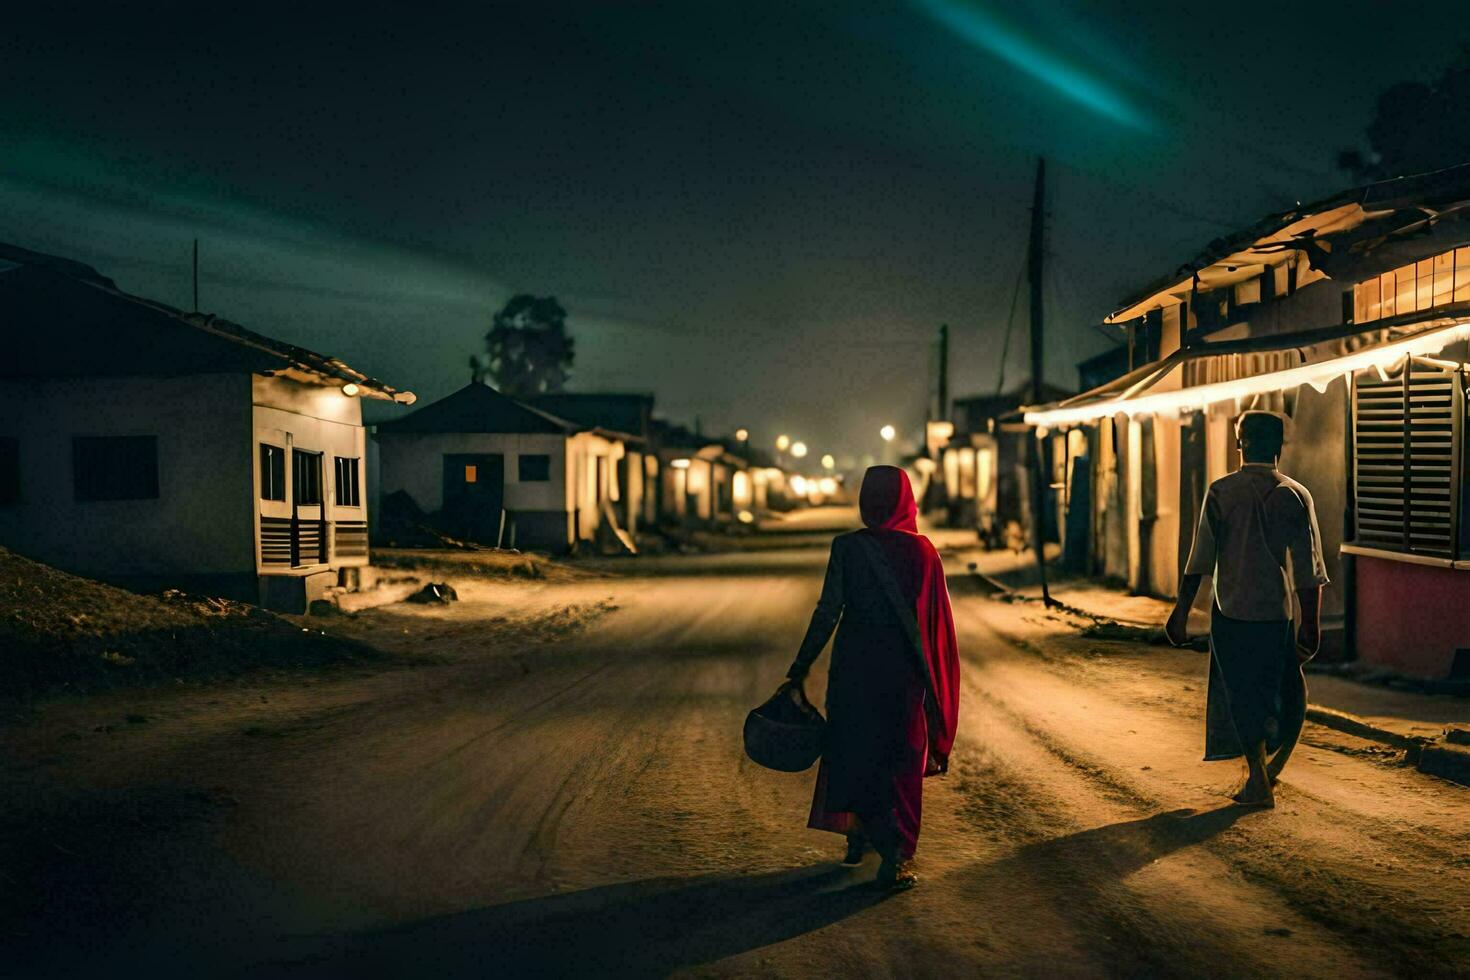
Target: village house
{"points": [[761, 486], [490, 469], [699, 476], [154, 448], [637, 469], [985, 467], [1351, 316]]}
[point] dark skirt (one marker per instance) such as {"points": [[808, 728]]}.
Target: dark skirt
{"points": [[877, 737], [1256, 687]]}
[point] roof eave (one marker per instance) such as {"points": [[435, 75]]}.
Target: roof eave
{"points": [[1270, 240]]}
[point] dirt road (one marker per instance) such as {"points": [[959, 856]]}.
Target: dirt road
{"points": [[556, 785]]}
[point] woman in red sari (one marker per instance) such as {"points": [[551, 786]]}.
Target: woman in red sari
{"points": [[893, 687]]}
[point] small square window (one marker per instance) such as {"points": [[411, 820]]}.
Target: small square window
{"points": [[272, 472], [534, 468], [471, 473], [114, 468]]}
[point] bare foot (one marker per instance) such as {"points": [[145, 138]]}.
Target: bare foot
{"points": [[1256, 794], [1248, 790]]}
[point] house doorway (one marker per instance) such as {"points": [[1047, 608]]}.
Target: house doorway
{"points": [[474, 494], [308, 514]]}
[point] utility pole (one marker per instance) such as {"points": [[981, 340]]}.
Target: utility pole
{"points": [[196, 275], [1035, 268]]}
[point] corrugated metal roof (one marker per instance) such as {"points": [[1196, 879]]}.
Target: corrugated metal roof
{"points": [[1275, 238]]}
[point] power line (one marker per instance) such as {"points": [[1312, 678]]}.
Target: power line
{"points": [[1005, 348]]}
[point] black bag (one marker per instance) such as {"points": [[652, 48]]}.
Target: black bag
{"points": [[785, 735]]}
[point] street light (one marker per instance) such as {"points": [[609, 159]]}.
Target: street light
{"points": [[782, 442], [741, 435], [798, 449], [888, 432], [828, 462]]}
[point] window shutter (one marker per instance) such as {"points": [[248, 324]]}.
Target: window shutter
{"points": [[1406, 448]]}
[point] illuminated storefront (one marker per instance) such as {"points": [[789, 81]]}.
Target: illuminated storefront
{"points": [[1352, 317]]}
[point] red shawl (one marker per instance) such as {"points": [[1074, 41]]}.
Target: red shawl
{"points": [[887, 502]]}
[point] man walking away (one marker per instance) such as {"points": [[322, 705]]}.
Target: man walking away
{"points": [[1258, 539]]}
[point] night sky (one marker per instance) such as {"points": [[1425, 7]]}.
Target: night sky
{"points": [[759, 211]]}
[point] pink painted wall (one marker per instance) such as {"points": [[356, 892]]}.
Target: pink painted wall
{"points": [[1411, 618]]}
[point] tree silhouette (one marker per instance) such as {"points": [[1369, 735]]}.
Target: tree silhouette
{"points": [[1417, 127], [527, 349]]}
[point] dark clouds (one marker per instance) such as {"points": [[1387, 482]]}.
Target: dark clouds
{"points": [[760, 211]]}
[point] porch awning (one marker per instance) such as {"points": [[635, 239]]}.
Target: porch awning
{"points": [[1140, 398]]}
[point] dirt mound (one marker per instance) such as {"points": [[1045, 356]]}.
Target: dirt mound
{"points": [[61, 631]]}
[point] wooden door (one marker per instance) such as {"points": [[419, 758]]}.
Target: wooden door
{"points": [[474, 495]]}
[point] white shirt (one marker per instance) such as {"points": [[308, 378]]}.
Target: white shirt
{"points": [[1258, 540]]}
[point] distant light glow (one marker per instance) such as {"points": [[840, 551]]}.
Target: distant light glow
{"points": [[827, 485], [828, 462], [798, 485], [679, 464], [981, 27], [888, 432], [782, 442], [798, 449], [742, 435]]}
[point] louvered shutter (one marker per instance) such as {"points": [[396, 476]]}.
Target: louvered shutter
{"points": [[1406, 435]]}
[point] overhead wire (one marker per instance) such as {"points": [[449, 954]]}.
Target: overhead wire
{"points": [[1005, 347]]}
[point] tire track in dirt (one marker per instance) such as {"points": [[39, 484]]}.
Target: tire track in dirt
{"points": [[1310, 862], [1130, 868]]}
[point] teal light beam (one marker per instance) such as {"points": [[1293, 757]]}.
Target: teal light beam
{"points": [[979, 27]]}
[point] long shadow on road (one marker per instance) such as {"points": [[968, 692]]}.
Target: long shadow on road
{"points": [[657, 926], [1119, 849], [1077, 881], [642, 928]]}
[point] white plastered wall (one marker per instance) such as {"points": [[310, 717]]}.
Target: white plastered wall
{"points": [[200, 523], [311, 418], [414, 462]]}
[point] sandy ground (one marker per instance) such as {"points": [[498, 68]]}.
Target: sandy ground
{"points": [[552, 783]]}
